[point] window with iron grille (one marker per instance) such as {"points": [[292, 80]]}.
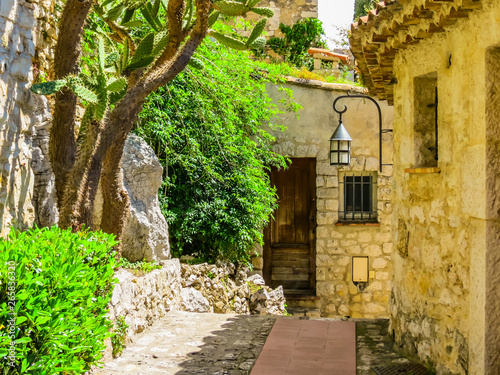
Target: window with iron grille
{"points": [[358, 197]]}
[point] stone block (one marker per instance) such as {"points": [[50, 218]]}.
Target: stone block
{"points": [[364, 237], [373, 250]]}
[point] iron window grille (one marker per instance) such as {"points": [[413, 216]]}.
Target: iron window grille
{"points": [[358, 200]]}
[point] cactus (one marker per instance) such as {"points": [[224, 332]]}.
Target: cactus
{"points": [[213, 18], [231, 8], [257, 30], [266, 12], [147, 15], [229, 41], [127, 16], [258, 43], [116, 84], [140, 63], [144, 51], [112, 57], [84, 93], [252, 3], [134, 4], [115, 12], [196, 63], [160, 42], [101, 54], [47, 88]]}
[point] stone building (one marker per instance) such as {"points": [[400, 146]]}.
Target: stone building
{"points": [[309, 247], [438, 63], [288, 12]]}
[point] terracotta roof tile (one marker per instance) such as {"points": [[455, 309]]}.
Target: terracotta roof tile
{"points": [[394, 25]]}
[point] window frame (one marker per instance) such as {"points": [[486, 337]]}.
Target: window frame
{"points": [[358, 213]]}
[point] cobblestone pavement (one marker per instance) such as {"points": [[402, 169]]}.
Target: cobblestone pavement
{"points": [[374, 347], [192, 343], [218, 344]]}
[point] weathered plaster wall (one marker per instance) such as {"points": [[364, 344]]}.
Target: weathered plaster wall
{"points": [[308, 137], [288, 12], [439, 302], [21, 24]]}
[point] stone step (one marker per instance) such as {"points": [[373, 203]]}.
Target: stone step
{"points": [[308, 312], [302, 301]]}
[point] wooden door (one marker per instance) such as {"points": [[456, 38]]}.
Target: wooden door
{"points": [[289, 239]]}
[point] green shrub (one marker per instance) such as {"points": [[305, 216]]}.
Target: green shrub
{"points": [[118, 336], [63, 283]]}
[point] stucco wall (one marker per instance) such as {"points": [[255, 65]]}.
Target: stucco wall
{"points": [[308, 136], [441, 277]]}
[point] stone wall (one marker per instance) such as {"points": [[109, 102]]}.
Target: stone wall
{"points": [[308, 137], [445, 289], [288, 12]]}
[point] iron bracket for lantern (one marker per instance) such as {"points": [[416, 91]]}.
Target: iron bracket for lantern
{"points": [[381, 130]]}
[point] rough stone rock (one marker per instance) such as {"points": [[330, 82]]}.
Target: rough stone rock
{"points": [[228, 289], [146, 231], [193, 301]]}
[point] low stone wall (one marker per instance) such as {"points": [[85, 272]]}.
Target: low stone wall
{"points": [[222, 288], [143, 299]]}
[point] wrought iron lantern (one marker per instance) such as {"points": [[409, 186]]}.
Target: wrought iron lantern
{"points": [[340, 146], [340, 141]]}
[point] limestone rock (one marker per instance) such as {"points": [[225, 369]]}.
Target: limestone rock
{"points": [[193, 301], [146, 231]]}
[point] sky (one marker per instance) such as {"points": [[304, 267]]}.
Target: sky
{"points": [[335, 12]]}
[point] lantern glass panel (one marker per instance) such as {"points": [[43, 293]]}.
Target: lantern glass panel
{"points": [[344, 145], [344, 158], [334, 158], [334, 145]]}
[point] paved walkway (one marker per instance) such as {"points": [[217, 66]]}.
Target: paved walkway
{"points": [[304, 347], [223, 344]]}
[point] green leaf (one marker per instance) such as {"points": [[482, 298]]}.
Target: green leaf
{"points": [[47, 88], [127, 16], [147, 15], [84, 93], [116, 84], [160, 42], [23, 340], [145, 47], [214, 16], [132, 24], [257, 30], [114, 12], [231, 8], [140, 63], [266, 12], [155, 8], [252, 3], [134, 4], [101, 54], [258, 43], [196, 63], [20, 319], [229, 41]]}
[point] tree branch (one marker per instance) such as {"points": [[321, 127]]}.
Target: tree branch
{"points": [[176, 35], [62, 144]]}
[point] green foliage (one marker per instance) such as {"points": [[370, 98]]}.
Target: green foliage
{"points": [[208, 129], [62, 285], [118, 336], [143, 266], [48, 88], [297, 39], [362, 7]]}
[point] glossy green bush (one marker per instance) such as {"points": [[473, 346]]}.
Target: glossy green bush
{"points": [[63, 282]]}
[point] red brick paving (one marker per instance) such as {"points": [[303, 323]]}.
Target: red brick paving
{"points": [[308, 347]]}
